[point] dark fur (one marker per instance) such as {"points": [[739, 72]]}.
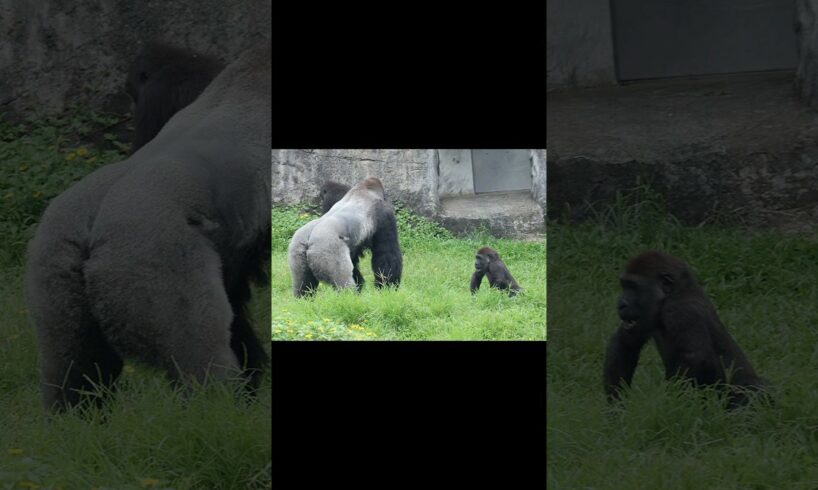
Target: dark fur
{"points": [[661, 300], [162, 81], [487, 262], [331, 192], [152, 257]]}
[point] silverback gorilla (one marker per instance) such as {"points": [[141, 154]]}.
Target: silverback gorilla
{"points": [[327, 249], [151, 258], [487, 262], [162, 81], [662, 300]]}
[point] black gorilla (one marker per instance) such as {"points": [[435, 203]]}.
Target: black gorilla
{"points": [[662, 300], [487, 262], [162, 81], [331, 192], [328, 248], [151, 257]]}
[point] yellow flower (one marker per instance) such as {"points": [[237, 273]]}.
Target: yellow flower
{"points": [[82, 152], [70, 156], [128, 369], [15, 451], [150, 482]]}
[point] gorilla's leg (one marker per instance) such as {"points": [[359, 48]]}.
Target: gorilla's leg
{"points": [[356, 274], [243, 340], [173, 313], [358, 278], [304, 281], [74, 356], [331, 262]]}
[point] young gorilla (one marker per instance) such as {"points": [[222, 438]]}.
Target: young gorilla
{"points": [[488, 262], [162, 81], [662, 300], [151, 257], [327, 249]]}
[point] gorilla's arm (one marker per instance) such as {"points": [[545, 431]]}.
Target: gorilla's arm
{"points": [[687, 330], [621, 359], [476, 279], [387, 259]]}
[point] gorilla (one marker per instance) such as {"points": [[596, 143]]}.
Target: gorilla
{"points": [[151, 258], [661, 299], [328, 248], [488, 262], [331, 192], [162, 81]]}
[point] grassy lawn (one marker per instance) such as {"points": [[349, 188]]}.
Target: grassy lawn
{"points": [[433, 301], [664, 435], [149, 436]]}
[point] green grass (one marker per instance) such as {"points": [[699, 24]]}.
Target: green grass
{"points": [[666, 435], [149, 436], [433, 301]]}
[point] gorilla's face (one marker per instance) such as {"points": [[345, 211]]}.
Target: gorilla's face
{"points": [[481, 262], [640, 301]]}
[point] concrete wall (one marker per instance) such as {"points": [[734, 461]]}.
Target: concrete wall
{"points": [[456, 173], [55, 53], [408, 175], [806, 28], [579, 43], [538, 177]]}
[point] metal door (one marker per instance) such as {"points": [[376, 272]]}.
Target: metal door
{"points": [[501, 170], [668, 38]]}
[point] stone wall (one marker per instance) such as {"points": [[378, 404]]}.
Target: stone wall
{"points": [[407, 175], [806, 28], [579, 43], [538, 177], [56, 53]]}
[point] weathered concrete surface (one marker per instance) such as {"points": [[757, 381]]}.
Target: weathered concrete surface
{"points": [[56, 53], [456, 175], [504, 214], [538, 177], [579, 43], [806, 28], [407, 175], [742, 147]]}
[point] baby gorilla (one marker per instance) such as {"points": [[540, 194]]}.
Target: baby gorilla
{"points": [[662, 300], [487, 262]]}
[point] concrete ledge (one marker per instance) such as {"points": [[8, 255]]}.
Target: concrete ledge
{"points": [[504, 214], [739, 146]]}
